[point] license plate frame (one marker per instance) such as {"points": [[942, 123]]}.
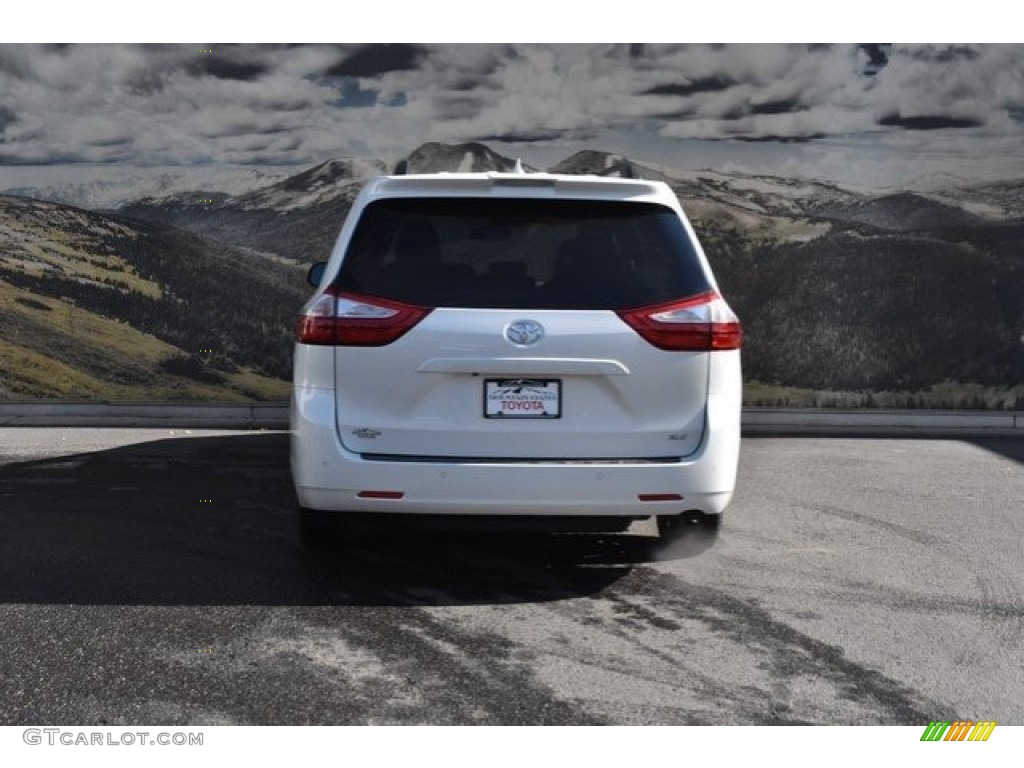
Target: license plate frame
{"points": [[522, 398]]}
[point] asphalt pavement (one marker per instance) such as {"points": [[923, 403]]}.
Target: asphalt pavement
{"points": [[154, 576]]}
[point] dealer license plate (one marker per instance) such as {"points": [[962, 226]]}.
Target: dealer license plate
{"points": [[522, 398]]}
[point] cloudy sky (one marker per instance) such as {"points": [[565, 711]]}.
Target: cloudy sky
{"points": [[874, 115]]}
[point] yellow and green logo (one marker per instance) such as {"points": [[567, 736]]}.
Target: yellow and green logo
{"points": [[958, 730]]}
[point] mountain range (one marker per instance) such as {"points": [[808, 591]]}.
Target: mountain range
{"points": [[839, 289]]}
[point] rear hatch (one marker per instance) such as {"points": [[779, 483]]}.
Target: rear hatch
{"points": [[521, 329]]}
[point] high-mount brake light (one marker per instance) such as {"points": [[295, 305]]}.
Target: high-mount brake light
{"points": [[702, 323], [339, 318]]}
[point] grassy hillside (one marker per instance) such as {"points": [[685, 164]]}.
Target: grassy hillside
{"points": [[103, 307]]}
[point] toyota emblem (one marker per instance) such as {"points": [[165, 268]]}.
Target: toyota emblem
{"points": [[522, 333]]}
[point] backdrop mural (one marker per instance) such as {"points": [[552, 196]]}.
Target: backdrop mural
{"points": [[863, 205]]}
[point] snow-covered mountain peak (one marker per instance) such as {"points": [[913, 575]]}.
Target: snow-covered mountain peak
{"points": [[470, 157], [314, 186]]}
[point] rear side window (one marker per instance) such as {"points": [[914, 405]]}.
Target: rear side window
{"points": [[521, 254]]}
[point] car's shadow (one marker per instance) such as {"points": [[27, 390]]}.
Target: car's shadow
{"points": [[211, 521], [1009, 448]]}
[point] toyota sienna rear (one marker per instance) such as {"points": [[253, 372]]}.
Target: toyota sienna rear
{"points": [[516, 345]]}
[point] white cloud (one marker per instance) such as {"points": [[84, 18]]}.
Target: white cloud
{"points": [[177, 104]]}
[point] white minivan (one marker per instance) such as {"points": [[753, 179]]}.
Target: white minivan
{"points": [[516, 344]]}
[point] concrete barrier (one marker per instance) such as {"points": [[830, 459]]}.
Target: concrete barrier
{"points": [[881, 421], [129, 414], [274, 415]]}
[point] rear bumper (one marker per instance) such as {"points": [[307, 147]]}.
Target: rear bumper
{"points": [[327, 476]]}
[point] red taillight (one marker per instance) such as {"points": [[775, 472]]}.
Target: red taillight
{"points": [[701, 323], [351, 320]]}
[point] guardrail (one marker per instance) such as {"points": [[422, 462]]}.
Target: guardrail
{"points": [[881, 421], [274, 415]]}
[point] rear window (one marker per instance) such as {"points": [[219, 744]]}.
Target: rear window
{"points": [[521, 254]]}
